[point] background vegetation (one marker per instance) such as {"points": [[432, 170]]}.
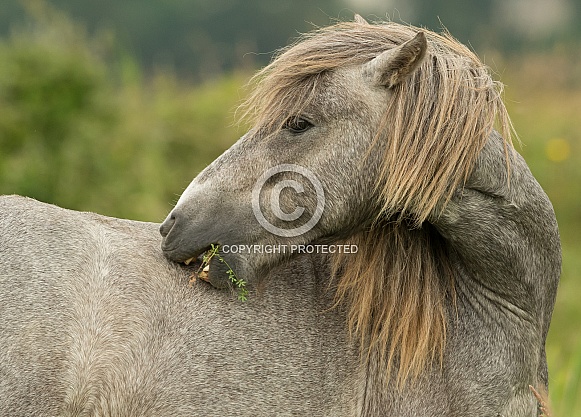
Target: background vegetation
{"points": [[117, 118]]}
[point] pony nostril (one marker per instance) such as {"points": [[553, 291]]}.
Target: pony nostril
{"points": [[167, 225]]}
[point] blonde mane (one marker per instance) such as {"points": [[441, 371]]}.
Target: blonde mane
{"points": [[397, 287]]}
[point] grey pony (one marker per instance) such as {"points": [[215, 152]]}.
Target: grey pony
{"points": [[498, 227], [96, 321]]}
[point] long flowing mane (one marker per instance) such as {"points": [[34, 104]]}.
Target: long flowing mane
{"points": [[398, 285]]}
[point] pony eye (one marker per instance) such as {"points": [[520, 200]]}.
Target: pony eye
{"points": [[297, 125]]}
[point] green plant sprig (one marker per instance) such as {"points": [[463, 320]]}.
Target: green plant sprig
{"points": [[238, 283]]}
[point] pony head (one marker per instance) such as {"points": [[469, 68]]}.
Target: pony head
{"points": [[361, 134]]}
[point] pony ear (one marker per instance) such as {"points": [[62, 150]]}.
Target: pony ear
{"points": [[360, 20], [394, 65]]}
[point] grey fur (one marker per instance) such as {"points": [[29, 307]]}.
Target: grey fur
{"points": [[96, 322]]}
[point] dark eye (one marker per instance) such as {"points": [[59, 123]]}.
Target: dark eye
{"points": [[297, 125]]}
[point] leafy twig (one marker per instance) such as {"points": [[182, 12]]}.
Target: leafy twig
{"points": [[238, 283]]}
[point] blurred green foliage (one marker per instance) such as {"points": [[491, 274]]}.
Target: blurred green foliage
{"points": [[81, 126], [86, 134], [203, 39], [198, 38]]}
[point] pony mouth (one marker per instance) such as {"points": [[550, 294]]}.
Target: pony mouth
{"points": [[199, 264], [193, 260], [211, 267], [198, 257], [198, 267]]}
